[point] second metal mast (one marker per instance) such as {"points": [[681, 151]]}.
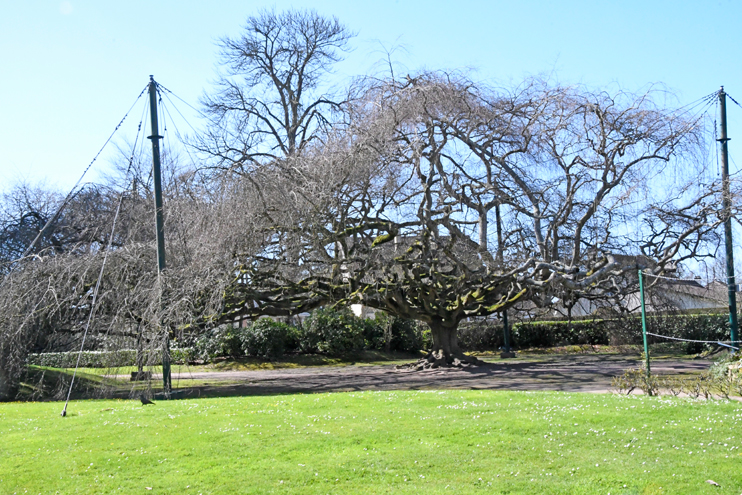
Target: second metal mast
{"points": [[159, 222], [727, 207], [155, 137]]}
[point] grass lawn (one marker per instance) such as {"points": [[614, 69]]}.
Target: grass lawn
{"points": [[375, 442]]}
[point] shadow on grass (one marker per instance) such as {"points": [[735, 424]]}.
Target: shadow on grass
{"points": [[371, 371], [367, 358], [47, 383], [44, 383]]}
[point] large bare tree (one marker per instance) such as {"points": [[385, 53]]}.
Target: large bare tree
{"points": [[392, 211]]}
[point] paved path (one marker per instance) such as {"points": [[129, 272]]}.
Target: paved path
{"points": [[576, 373]]}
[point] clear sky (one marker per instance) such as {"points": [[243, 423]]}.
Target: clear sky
{"points": [[71, 69]]}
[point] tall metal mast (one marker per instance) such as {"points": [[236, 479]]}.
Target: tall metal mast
{"points": [[155, 138], [727, 207]]}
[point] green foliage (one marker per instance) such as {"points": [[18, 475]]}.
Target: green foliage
{"points": [[693, 327], [410, 336], [374, 334], [267, 338], [480, 335], [553, 333], [339, 331], [403, 335], [485, 335], [325, 331], [222, 341], [107, 359], [332, 331]]}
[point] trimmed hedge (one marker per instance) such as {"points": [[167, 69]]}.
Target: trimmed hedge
{"points": [[105, 359], [554, 333], [487, 335]]}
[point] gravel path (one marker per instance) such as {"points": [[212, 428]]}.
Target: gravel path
{"points": [[576, 373]]}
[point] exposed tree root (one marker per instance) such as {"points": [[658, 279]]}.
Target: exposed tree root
{"points": [[439, 359]]}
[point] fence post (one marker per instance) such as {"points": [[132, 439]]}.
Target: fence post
{"points": [[644, 319]]}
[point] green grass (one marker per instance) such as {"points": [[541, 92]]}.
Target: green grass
{"points": [[375, 442]]}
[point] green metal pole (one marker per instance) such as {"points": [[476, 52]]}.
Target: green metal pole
{"points": [[505, 331], [644, 319], [156, 174], [727, 206], [507, 351], [159, 222]]}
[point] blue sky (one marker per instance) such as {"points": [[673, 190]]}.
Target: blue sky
{"points": [[71, 69]]}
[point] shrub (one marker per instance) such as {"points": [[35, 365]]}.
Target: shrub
{"points": [[410, 336], [375, 332], [695, 327], [267, 338], [723, 379], [222, 341], [635, 378], [480, 335], [555, 333], [332, 331], [404, 335]]}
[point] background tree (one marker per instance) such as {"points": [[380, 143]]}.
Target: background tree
{"points": [[271, 102], [272, 96], [62, 224], [45, 299]]}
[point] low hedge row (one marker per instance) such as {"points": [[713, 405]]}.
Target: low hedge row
{"points": [[487, 335], [106, 359], [333, 332]]}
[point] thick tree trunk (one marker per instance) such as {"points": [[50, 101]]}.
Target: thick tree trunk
{"points": [[445, 351], [445, 339]]}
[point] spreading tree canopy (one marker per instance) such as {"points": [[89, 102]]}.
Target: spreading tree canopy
{"points": [[392, 210]]}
